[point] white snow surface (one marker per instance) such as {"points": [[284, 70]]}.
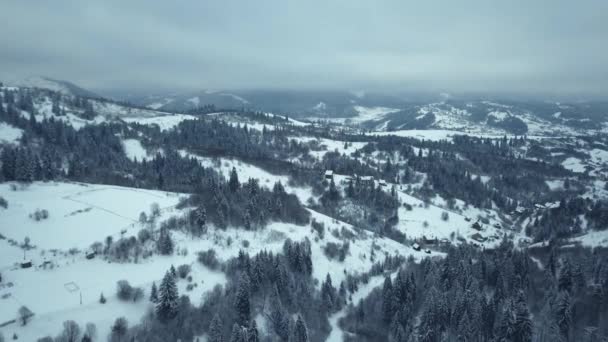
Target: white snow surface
{"points": [[79, 214], [165, 122], [574, 164], [134, 150], [9, 134]]}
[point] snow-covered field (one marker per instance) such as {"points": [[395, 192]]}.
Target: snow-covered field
{"points": [[574, 164], [165, 122], [9, 134], [329, 145], [134, 150], [79, 214], [83, 213]]}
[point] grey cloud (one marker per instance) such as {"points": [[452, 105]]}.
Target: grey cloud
{"points": [[544, 46]]}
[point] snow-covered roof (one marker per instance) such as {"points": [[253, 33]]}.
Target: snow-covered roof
{"points": [[329, 173]]}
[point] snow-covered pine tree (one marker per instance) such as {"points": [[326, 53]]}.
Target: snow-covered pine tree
{"points": [[241, 303], [238, 334], [215, 329], [166, 308], [252, 332], [165, 243], [154, 293], [233, 183], [300, 333]]}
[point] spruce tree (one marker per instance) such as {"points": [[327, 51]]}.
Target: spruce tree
{"points": [[241, 303], [201, 217], [166, 308], [300, 333], [237, 334], [252, 332], [563, 314], [233, 183], [154, 293], [165, 244], [215, 329], [523, 323], [387, 301]]}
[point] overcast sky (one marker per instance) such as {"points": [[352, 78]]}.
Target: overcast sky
{"points": [[538, 46]]}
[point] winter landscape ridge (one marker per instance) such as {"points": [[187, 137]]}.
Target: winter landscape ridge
{"points": [[305, 223]]}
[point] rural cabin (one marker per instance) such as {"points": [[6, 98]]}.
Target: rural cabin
{"points": [[367, 180], [329, 174]]}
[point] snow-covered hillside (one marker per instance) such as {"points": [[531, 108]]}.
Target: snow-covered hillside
{"points": [[80, 214]]}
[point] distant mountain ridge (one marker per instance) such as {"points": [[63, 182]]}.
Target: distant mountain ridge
{"points": [[64, 87]]}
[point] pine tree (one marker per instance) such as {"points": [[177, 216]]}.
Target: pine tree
{"points": [[507, 324], [166, 308], [387, 301], [252, 332], [241, 303], [201, 217], [523, 323], [328, 294], [565, 276], [154, 293], [233, 183], [564, 314], [165, 244], [300, 333], [215, 329], [237, 335]]}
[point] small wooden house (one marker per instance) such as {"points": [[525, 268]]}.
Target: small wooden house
{"points": [[416, 247], [329, 175], [90, 255], [367, 180], [26, 264]]}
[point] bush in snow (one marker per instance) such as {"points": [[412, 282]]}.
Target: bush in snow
{"points": [[71, 332], [144, 235], [39, 215], [124, 290], [335, 251], [183, 270], [24, 315], [3, 202], [319, 227], [445, 216], [209, 259]]}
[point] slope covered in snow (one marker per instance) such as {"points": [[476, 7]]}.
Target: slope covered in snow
{"points": [[9, 134]]}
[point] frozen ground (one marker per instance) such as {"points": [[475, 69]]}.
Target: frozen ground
{"points": [[134, 150], [165, 122], [73, 277], [79, 214], [9, 134]]}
